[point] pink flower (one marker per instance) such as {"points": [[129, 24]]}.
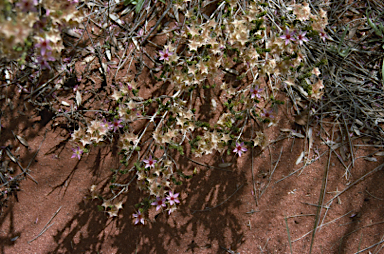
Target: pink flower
{"points": [[171, 209], [40, 24], [288, 36], [107, 125], [160, 202], [139, 218], [164, 55], [267, 114], [116, 124], [43, 60], [43, 45], [323, 35], [240, 148], [150, 163], [301, 38], [255, 92], [27, 5], [172, 198], [77, 153]]}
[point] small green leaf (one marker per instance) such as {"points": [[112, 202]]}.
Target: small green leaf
{"points": [[377, 31], [139, 5], [382, 70]]}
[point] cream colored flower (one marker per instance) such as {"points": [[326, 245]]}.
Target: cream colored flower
{"points": [[116, 95], [316, 71], [260, 140], [302, 12]]}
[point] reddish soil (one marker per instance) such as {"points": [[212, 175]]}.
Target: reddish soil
{"points": [[218, 211]]}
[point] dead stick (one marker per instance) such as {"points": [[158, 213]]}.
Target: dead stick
{"points": [[358, 180], [10, 155], [321, 226], [322, 195], [157, 23], [270, 177], [253, 177], [45, 228]]}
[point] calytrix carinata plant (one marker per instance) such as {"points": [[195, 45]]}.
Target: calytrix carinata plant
{"points": [[259, 47]]}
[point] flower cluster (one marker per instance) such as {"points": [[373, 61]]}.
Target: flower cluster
{"points": [[171, 200], [45, 26], [199, 52]]}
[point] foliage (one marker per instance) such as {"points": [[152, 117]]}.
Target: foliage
{"points": [[257, 52]]}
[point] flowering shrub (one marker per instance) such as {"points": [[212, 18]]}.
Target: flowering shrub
{"points": [[30, 23], [268, 53], [256, 53]]}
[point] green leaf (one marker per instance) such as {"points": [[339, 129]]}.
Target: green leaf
{"points": [[382, 71], [377, 31], [139, 5]]}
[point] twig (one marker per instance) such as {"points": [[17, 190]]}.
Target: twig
{"points": [[34, 156], [229, 250], [349, 141], [300, 215], [322, 195], [21, 167], [157, 23], [377, 251], [253, 177], [270, 177], [321, 226], [373, 245], [357, 181], [99, 57], [297, 170], [44, 85], [373, 196], [45, 228], [289, 235], [252, 212], [350, 233], [206, 165]]}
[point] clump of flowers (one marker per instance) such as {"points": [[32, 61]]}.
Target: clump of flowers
{"points": [[203, 50], [17, 30]]}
